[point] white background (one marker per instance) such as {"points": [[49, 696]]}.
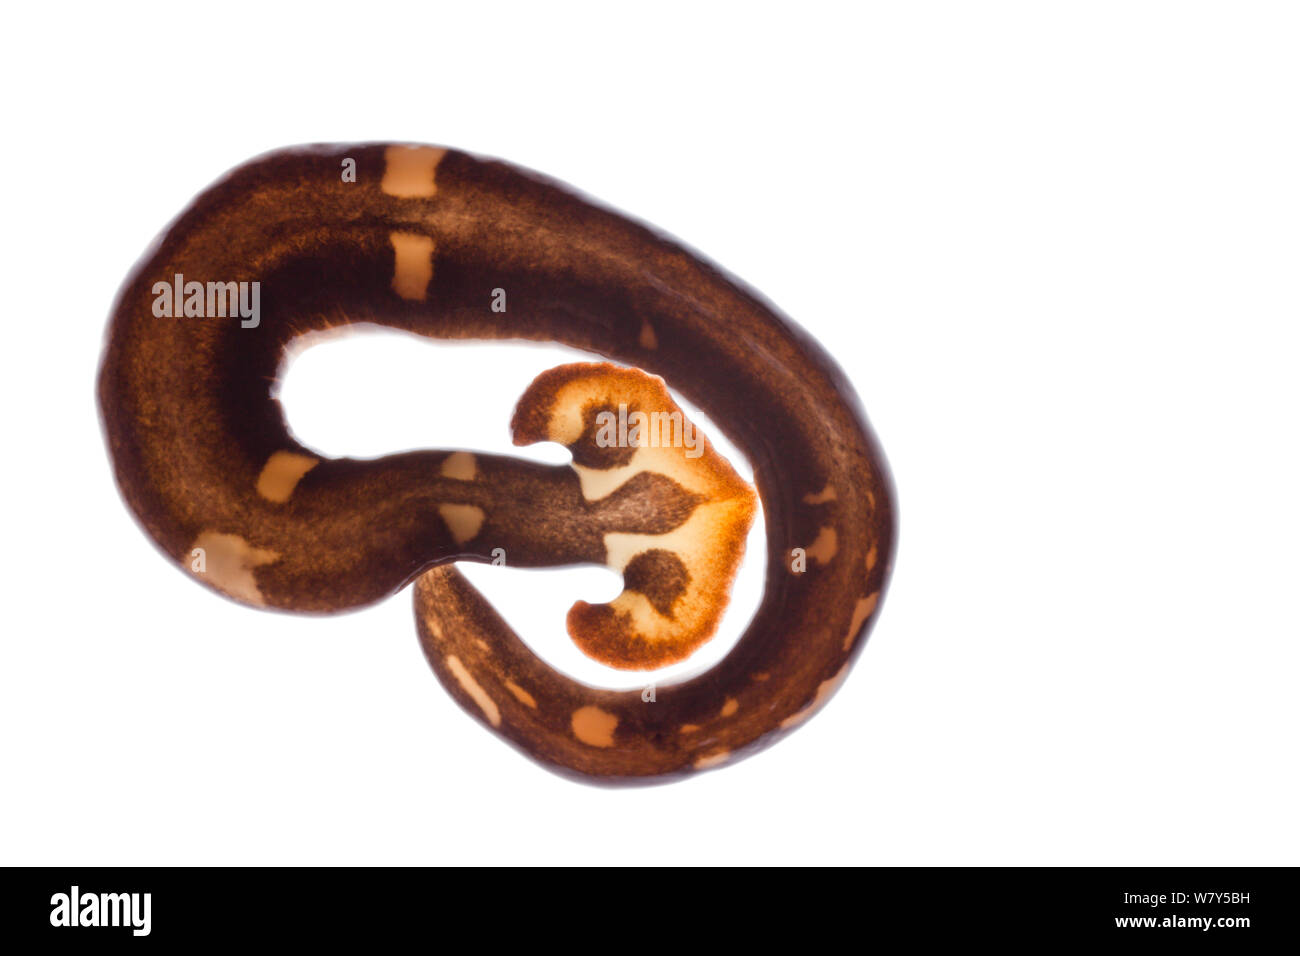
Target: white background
{"points": [[1054, 245]]}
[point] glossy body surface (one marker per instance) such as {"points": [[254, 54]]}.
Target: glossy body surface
{"points": [[425, 239]]}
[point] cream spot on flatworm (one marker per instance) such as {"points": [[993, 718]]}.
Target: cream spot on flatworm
{"points": [[824, 691], [463, 521], [648, 339], [461, 465], [471, 687], [409, 171], [860, 613], [594, 727], [826, 494], [825, 547], [730, 707], [871, 558], [688, 728], [228, 562], [281, 474], [412, 264], [521, 695], [712, 760]]}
